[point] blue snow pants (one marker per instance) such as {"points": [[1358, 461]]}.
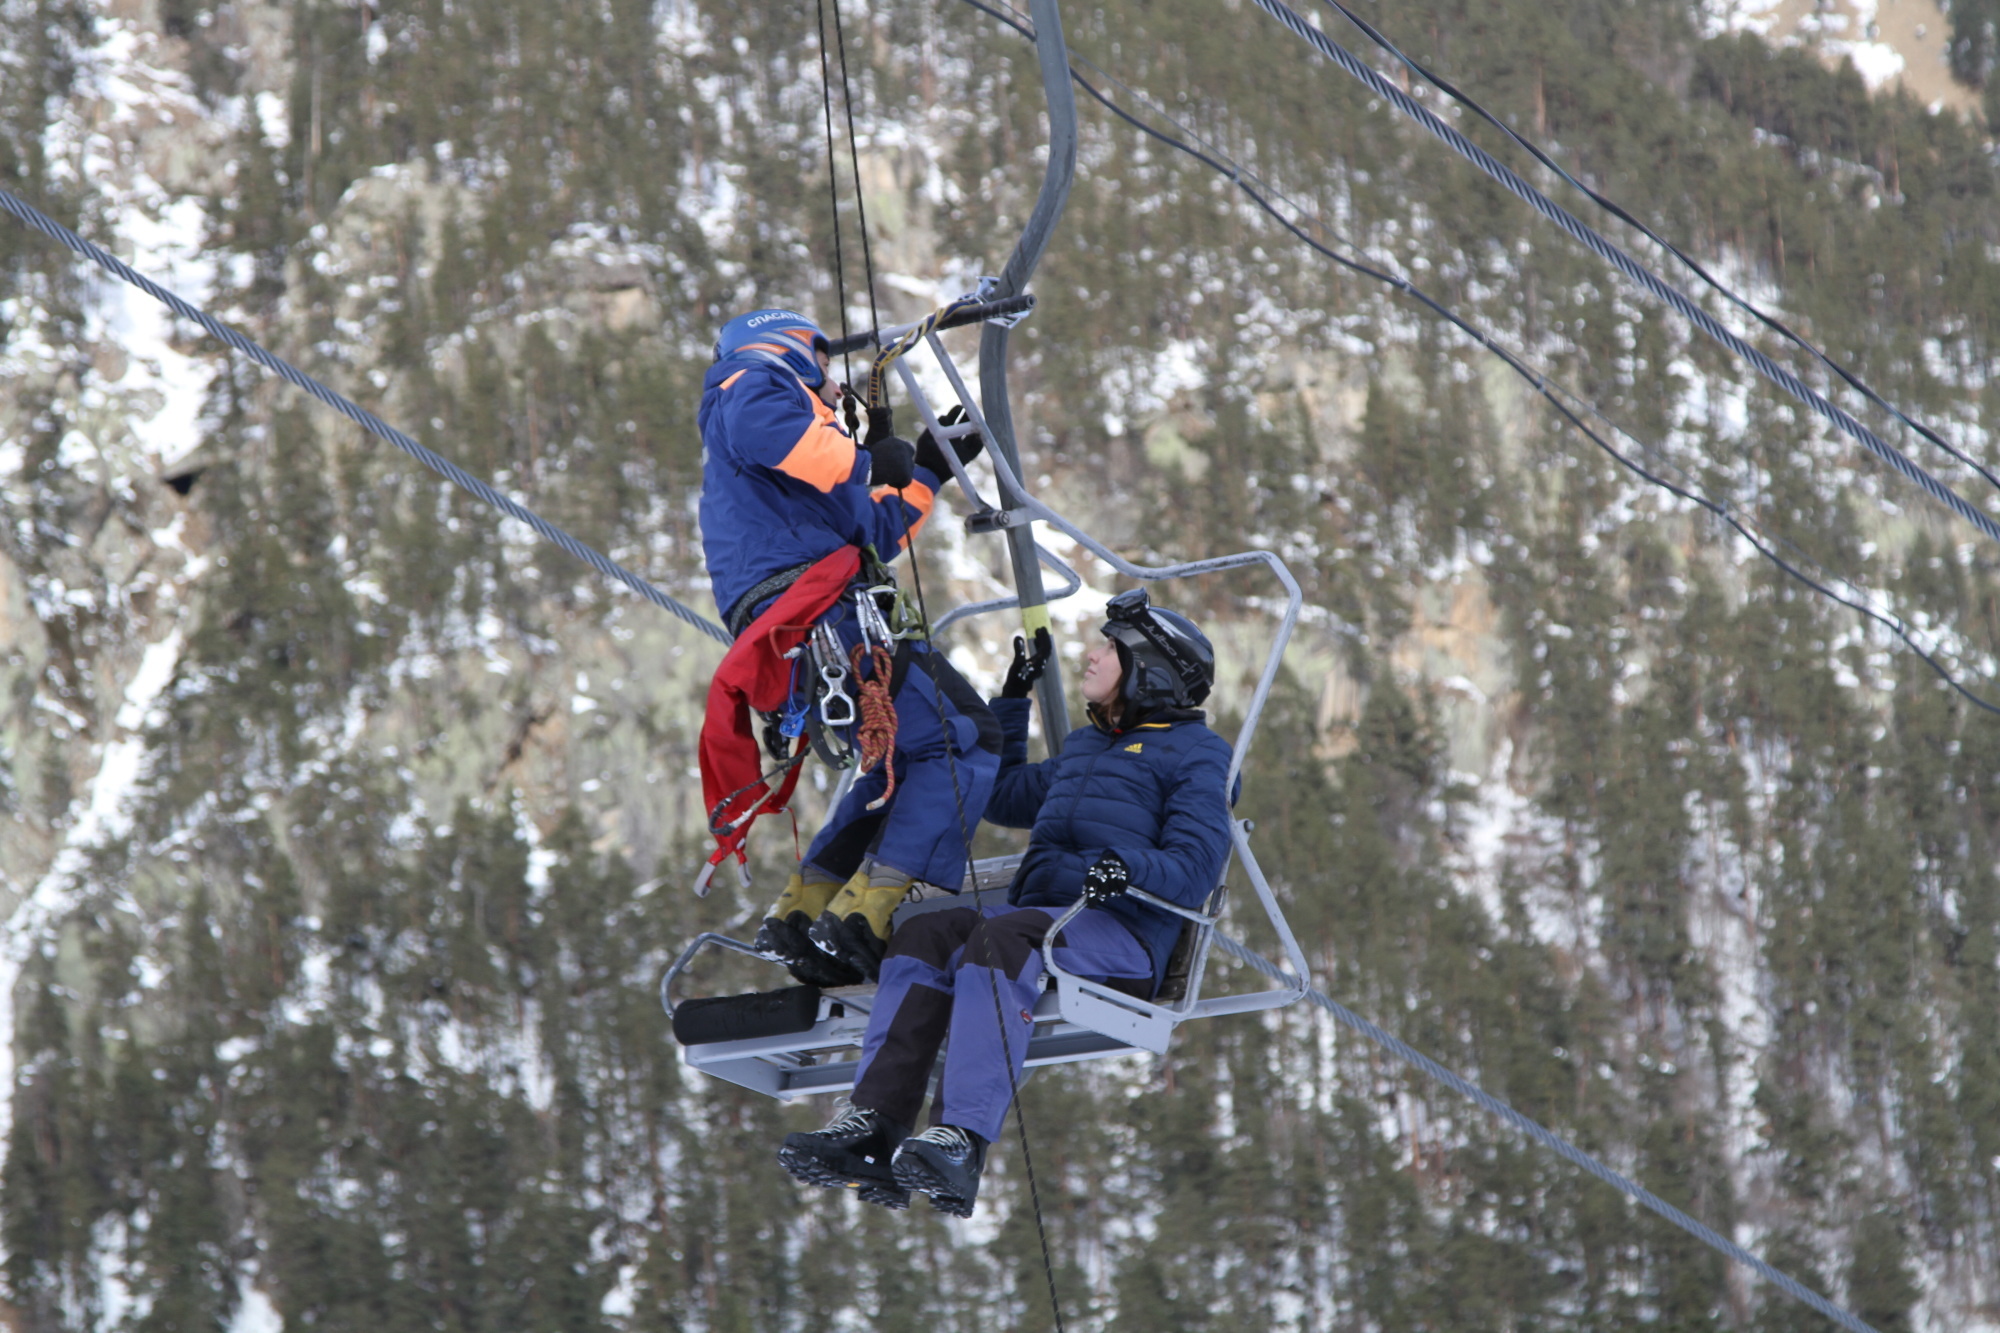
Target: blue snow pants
{"points": [[939, 982], [947, 757]]}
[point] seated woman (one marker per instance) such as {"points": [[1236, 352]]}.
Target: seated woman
{"points": [[1135, 799]]}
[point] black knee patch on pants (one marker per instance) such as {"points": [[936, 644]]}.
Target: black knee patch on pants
{"points": [[1006, 943]]}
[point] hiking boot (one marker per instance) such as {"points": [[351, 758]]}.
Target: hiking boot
{"points": [[944, 1162], [853, 931], [783, 937], [852, 1153]]}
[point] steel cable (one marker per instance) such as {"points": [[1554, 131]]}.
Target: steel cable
{"points": [[361, 417], [1505, 176], [1618, 211]]}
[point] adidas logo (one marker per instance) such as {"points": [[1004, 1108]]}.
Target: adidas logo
{"points": [[1135, 747]]}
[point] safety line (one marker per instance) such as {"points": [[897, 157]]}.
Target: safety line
{"points": [[833, 189], [1616, 210], [367, 420], [1631, 268], [1560, 1146], [1763, 545]]}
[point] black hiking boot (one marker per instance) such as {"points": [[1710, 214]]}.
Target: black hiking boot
{"points": [[783, 936], [852, 1153], [786, 941], [944, 1162], [853, 931]]}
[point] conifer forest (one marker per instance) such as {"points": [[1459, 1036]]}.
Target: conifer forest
{"points": [[346, 829]]}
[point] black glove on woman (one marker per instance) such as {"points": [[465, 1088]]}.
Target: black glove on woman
{"points": [[1106, 880], [1027, 667]]}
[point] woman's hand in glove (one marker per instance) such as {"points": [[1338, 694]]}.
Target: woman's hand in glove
{"points": [[1027, 667]]}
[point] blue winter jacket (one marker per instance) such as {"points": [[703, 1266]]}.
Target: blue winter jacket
{"points": [[782, 485], [1153, 794]]}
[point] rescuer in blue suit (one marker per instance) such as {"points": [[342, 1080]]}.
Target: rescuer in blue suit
{"points": [[783, 487], [1135, 799]]}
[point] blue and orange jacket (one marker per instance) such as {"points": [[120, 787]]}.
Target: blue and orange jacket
{"points": [[782, 485], [1153, 794]]}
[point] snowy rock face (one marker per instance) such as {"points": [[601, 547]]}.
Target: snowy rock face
{"points": [[346, 828]]}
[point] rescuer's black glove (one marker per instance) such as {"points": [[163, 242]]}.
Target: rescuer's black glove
{"points": [[967, 447], [891, 462]]}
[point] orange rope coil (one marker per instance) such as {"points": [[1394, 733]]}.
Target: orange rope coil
{"points": [[875, 733]]}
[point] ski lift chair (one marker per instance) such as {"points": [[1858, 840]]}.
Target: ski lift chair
{"points": [[800, 1040]]}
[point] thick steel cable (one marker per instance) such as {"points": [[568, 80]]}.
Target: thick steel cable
{"points": [[1505, 176], [1763, 545], [361, 417], [1618, 211], [1555, 1143]]}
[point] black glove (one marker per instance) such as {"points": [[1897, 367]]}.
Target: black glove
{"points": [[1027, 667], [1106, 880], [967, 447], [891, 462]]}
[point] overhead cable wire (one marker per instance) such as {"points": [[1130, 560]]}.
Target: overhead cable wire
{"points": [[361, 417], [1554, 1142], [833, 189], [1509, 180], [1764, 545], [1616, 210]]}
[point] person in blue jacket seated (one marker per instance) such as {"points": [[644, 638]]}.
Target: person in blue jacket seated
{"points": [[784, 488], [1135, 799]]}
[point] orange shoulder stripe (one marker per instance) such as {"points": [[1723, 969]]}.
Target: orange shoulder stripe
{"points": [[823, 458], [732, 379], [920, 498]]}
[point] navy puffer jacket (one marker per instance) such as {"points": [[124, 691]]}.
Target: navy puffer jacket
{"points": [[1152, 793]]}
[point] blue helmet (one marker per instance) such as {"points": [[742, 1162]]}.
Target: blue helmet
{"points": [[1167, 662], [782, 337]]}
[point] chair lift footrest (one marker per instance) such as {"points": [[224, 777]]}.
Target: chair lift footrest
{"points": [[775, 1013]]}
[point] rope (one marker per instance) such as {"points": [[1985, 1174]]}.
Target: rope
{"points": [[993, 977], [1569, 1152], [833, 192], [1631, 268], [1539, 382], [854, 161], [1611, 206], [875, 734], [367, 420]]}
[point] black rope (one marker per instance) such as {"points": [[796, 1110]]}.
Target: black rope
{"points": [[1631, 268], [367, 420], [1564, 1149], [854, 160], [992, 972], [833, 192], [1612, 207]]}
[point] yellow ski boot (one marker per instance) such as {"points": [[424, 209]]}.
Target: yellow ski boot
{"points": [[783, 937], [853, 931]]}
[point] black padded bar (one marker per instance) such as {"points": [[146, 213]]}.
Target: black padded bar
{"points": [[977, 314]]}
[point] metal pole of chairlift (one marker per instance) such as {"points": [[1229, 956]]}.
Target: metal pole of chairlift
{"points": [[1053, 55]]}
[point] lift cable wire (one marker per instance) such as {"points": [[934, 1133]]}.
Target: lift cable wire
{"points": [[1572, 411], [367, 420], [1616, 210], [1506, 177], [1493, 1106]]}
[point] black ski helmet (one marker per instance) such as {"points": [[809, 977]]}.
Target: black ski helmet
{"points": [[1167, 662]]}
